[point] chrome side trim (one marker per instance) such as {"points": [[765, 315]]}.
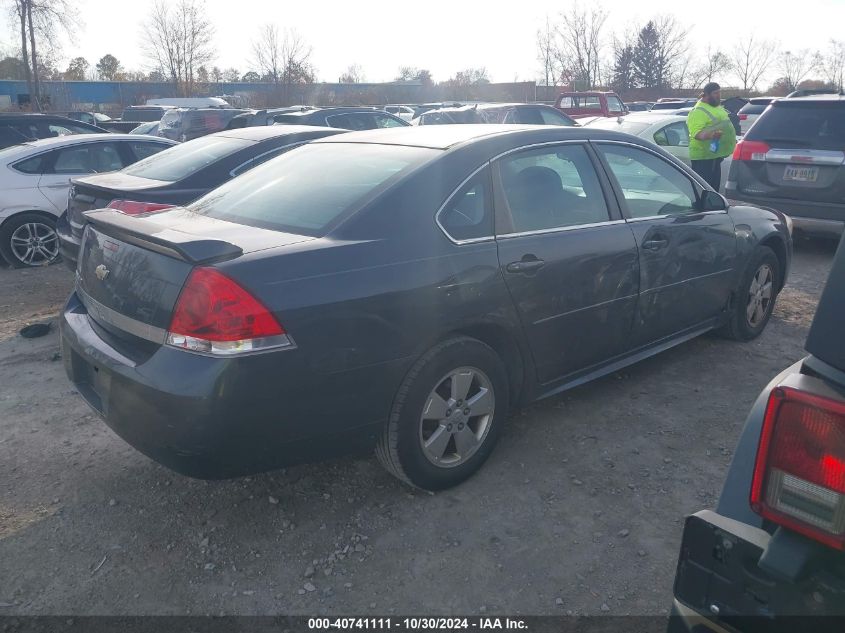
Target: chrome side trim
{"points": [[561, 229], [677, 215], [121, 321]]}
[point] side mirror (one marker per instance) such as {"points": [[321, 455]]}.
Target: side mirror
{"points": [[712, 201]]}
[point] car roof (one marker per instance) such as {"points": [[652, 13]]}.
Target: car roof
{"points": [[447, 136], [333, 109], [649, 116], [263, 132], [75, 139], [824, 97]]}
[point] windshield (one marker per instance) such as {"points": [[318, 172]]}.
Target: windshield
{"points": [[142, 115], [101, 117], [179, 162], [291, 193]]}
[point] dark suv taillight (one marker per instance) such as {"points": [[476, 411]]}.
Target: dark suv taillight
{"points": [[799, 476], [751, 150]]}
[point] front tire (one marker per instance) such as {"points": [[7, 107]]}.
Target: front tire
{"points": [[29, 240], [447, 415], [756, 296]]}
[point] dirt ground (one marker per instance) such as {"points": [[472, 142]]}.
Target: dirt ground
{"points": [[579, 510]]}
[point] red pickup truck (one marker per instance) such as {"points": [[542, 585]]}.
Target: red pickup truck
{"points": [[591, 104]]}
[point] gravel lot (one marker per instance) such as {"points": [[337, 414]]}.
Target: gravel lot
{"points": [[578, 511]]}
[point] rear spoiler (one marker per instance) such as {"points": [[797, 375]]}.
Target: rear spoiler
{"points": [[167, 241]]}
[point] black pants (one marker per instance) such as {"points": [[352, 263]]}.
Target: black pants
{"points": [[710, 170]]}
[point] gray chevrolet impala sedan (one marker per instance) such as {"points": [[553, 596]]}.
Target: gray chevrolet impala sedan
{"points": [[402, 290]]}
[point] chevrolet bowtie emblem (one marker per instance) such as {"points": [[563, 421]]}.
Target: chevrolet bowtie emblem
{"points": [[101, 271]]}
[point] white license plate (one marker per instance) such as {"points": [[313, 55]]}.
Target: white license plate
{"points": [[801, 174]]}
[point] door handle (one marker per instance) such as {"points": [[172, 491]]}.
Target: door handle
{"points": [[525, 266], [655, 245]]}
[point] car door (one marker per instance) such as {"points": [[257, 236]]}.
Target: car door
{"points": [[686, 255], [568, 258], [76, 160]]}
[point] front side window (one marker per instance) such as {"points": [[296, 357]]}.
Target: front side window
{"points": [[551, 188], [66, 127], [291, 192], [468, 215], [553, 117], [387, 121], [614, 105], [145, 150], [351, 121], [567, 102], [650, 185]]}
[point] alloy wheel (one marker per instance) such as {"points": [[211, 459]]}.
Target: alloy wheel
{"points": [[457, 417], [35, 244], [760, 295]]}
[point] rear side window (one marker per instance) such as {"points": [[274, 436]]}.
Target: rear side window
{"points": [[468, 214], [387, 121], [87, 159], [34, 165], [590, 102], [809, 125], [291, 193], [179, 162]]}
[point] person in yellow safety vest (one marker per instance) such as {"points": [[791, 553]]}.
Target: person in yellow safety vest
{"points": [[712, 135]]}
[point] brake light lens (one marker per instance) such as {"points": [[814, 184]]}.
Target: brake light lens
{"points": [[130, 207], [743, 117], [799, 475], [215, 315], [751, 150]]}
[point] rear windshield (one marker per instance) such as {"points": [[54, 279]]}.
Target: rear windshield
{"points": [[628, 127], [753, 108], [795, 125], [142, 115], [291, 193], [288, 119], [179, 162]]}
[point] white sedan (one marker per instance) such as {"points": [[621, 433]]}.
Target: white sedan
{"points": [[669, 131], [35, 178]]}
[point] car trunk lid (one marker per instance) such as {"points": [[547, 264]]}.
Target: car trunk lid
{"points": [[85, 196], [132, 269]]}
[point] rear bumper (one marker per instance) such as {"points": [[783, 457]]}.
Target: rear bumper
{"points": [[216, 418], [810, 217], [720, 585], [68, 243]]}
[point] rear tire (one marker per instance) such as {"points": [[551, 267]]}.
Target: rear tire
{"points": [[755, 297], [29, 240], [447, 415]]}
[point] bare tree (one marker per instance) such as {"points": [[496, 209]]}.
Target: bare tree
{"points": [[178, 40], [267, 52], [717, 64], [832, 64], [283, 56], [41, 21], [794, 67], [353, 75], [580, 42], [750, 59], [547, 54], [671, 46]]}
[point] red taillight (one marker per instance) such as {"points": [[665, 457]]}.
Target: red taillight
{"points": [[751, 150], [743, 117], [799, 476], [217, 316], [130, 207]]}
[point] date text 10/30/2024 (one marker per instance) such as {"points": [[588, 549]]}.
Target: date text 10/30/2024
{"points": [[416, 624]]}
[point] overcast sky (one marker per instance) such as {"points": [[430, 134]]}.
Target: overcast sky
{"points": [[442, 35]]}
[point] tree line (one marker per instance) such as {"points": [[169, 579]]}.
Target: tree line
{"points": [[575, 49]]}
